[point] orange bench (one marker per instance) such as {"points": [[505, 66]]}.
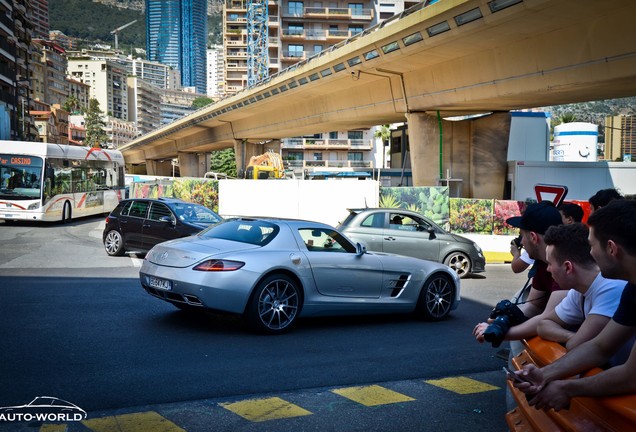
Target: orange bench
{"points": [[616, 413]]}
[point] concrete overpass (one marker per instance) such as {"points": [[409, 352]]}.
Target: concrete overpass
{"points": [[453, 57]]}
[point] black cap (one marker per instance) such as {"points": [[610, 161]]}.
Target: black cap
{"points": [[537, 217]]}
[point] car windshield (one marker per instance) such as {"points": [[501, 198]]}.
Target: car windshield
{"points": [[189, 212], [243, 230]]}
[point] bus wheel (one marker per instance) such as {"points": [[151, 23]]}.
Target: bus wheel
{"points": [[66, 212]]}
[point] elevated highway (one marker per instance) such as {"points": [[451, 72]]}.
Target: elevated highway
{"points": [[451, 58]]}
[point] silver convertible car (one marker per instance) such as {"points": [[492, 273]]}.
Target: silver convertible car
{"points": [[273, 271]]}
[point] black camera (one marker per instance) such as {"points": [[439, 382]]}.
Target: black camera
{"points": [[517, 242], [506, 314]]}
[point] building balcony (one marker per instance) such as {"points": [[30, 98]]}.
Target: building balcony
{"points": [[302, 164], [331, 14], [326, 144], [236, 43]]}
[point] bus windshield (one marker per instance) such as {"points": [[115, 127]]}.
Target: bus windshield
{"points": [[21, 177]]}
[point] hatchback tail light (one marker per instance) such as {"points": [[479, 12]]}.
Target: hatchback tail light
{"points": [[219, 265]]}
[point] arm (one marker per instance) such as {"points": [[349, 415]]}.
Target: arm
{"points": [[590, 328], [518, 265], [529, 328], [552, 328], [614, 381]]}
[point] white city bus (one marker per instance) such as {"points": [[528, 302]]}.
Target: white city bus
{"points": [[54, 182]]}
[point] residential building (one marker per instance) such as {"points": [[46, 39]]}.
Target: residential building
{"points": [[67, 42], [144, 104], [40, 18], [76, 130], [15, 72], [80, 91], [52, 123], [119, 131], [215, 71], [176, 104], [49, 64], [620, 138], [107, 82], [176, 35]]}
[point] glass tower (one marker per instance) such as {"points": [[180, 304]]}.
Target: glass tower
{"points": [[176, 35]]}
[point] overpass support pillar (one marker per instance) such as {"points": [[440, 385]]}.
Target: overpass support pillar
{"points": [[473, 153], [158, 168], [193, 164], [243, 151]]}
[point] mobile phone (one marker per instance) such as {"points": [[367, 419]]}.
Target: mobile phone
{"points": [[513, 376]]}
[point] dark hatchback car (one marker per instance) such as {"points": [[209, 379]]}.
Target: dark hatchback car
{"points": [[404, 232], [138, 224]]}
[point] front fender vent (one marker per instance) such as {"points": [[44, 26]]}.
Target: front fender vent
{"points": [[398, 284]]}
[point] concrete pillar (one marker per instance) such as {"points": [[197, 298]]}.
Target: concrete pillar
{"points": [[423, 149], [158, 168], [193, 164], [473, 153], [243, 151]]}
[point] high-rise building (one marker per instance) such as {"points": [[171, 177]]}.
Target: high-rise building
{"points": [[620, 138], [215, 71], [176, 35], [40, 18]]}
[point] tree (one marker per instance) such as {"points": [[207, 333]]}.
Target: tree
{"points": [[224, 161], [95, 133], [384, 133], [200, 102], [72, 105]]}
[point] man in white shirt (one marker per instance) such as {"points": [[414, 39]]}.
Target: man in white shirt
{"points": [[593, 299]]}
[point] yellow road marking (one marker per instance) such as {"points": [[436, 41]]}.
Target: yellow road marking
{"points": [[372, 395], [462, 385], [258, 410], [138, 422]]}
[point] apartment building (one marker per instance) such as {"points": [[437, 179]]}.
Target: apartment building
{"points": [[298, 30], [48, 79], [40, 18], [215, 71], [620, 138], [144, 104], [107, 82]]}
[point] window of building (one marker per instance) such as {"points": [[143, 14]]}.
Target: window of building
{"points": [[292, 155], [296, 29], [296, 50], [355, 8], [354, 156], [317, 48], [333, 135], [355, 29], [354, 135], [295, 8], [318, 156]]}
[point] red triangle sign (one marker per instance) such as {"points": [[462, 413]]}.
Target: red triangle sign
{"points": [[554, 193]]}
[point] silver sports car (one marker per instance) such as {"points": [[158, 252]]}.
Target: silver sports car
{"points": [[273, 271]]}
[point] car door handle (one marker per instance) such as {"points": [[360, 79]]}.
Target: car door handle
{"points": [[389, 238], [147, 225]]}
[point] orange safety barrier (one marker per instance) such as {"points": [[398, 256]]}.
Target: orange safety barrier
{"points": [[616, 413]]}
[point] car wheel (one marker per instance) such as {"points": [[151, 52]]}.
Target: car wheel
{"points": [[460, 263], [114, 243], [66, 212], [436, 298], [274, 305]]}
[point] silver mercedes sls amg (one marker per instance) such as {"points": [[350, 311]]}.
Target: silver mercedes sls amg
{"points": [[273, 271]]}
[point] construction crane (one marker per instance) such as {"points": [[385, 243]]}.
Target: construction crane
{"points": [[257, 41], [118, 29]]}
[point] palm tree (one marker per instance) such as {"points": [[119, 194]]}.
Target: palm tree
{"points": [[383, 133]]}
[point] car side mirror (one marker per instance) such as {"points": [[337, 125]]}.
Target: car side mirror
{"points": [[431, 234], [166, 219], [360, 249]]}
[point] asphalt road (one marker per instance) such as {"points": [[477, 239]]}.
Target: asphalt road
{"points": [[77, 325]]}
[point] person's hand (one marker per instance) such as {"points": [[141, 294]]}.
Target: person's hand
{"points": [[514, 250], [554, 395], [479, 330], [533, 380]]}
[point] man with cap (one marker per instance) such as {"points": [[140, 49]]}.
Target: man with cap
{"points": [[544, 293]]}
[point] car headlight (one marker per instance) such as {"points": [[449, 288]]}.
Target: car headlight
{"points": [[219, 265]]}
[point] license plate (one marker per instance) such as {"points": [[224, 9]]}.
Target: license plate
{"points": [[159, 283]]}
